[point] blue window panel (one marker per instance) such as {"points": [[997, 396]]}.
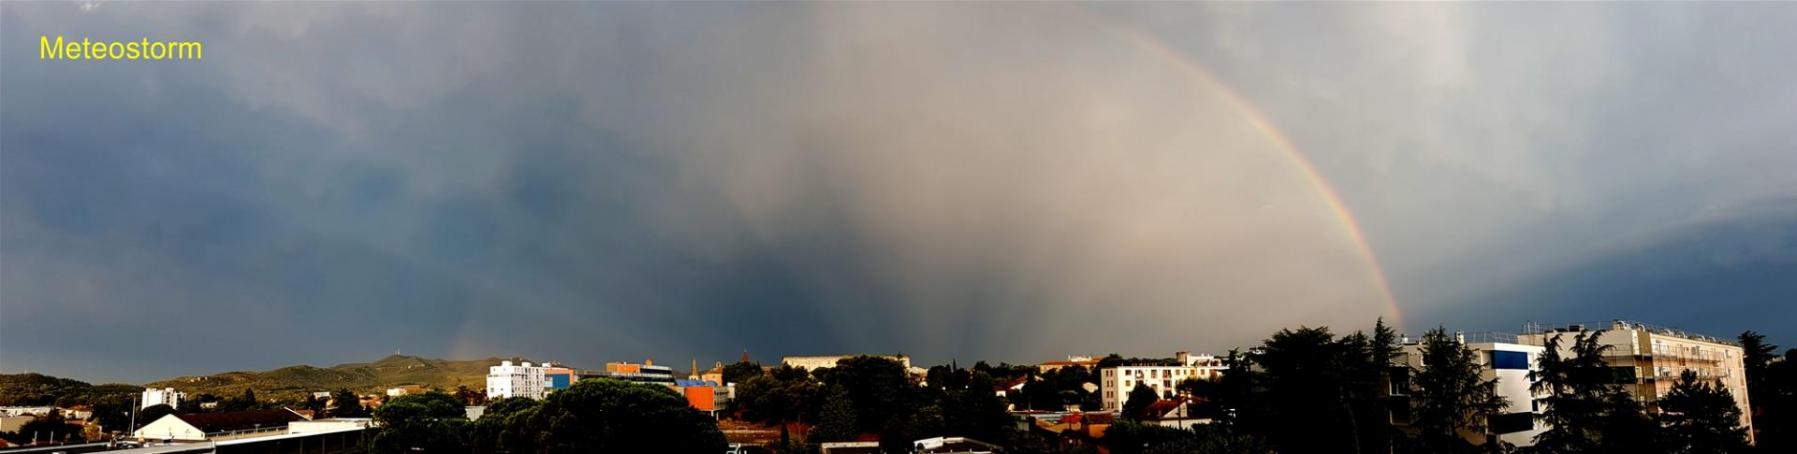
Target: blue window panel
{"points": [[1509, 360], [558, 381]]}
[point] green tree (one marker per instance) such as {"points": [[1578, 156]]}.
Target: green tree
{"points": [[741, 371], [1701, 418], [1140, 398], [1625, 426], [838, 420], [1130, 437], [505, 427], [48, 428], [429, 422], [1775, 422], [1573, 389], [346, 404], [1039, 395], [880, 389], [1757, 358], [767, 399], [1306, 377], [1449, 397], [246, 401], [605, 415], [152, 413]]}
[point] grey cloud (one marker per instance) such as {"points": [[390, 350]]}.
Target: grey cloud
{"points": [[600, 182]]}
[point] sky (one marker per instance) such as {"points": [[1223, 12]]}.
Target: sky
{"points": [[335, 182]]}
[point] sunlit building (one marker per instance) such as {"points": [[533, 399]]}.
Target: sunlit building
{"points": [[1501, 356], [1648, 359], [164, 396], [819, 362], [1163, 376], [516, 380]]}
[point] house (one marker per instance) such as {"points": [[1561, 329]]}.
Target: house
{"points": [[1177, 412], [213, 426], [1010, 388], [406, 390]]}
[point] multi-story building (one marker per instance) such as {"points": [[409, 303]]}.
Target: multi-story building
{"points": [[516, 380], [647, 372], [164, 396], [1648, 359], [1502, 357], [1085, 361], [819, 362], [1163, 376]]}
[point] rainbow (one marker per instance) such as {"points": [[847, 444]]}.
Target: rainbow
{"points": [[1259, 120]]}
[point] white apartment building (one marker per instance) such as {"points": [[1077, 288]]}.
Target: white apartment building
{"points": [[164, 396], [1648, 359], [520, 380], [1502, 357], [1116, 382]]}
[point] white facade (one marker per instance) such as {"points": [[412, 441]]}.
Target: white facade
{"points": [[509, 380], [1651, 358], [328, 425], [819, 362], [1501, 358], [164, 396], [169, 427], [1115, 383]]}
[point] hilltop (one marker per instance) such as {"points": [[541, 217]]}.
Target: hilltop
{"points": [[31, 389], [294, 381]]}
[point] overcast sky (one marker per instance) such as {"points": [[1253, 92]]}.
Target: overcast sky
{"points": [[586, 183]]}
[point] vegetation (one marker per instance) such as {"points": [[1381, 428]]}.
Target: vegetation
{"points": [[1772, 391], [1701, 418], [1132, 437], [593, 415], [1450, 398], [31, 390], [429, 422], [293, 383], [51, 428], [871, 396], [1140, 398]]}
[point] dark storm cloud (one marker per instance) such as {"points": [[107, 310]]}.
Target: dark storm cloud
{"points": [[603, 182]]}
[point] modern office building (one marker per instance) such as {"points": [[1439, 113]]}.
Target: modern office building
{"points": [[1648, 359], [647, 372]]}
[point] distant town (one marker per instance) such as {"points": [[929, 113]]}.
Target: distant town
{"points": [[1581, 387]]}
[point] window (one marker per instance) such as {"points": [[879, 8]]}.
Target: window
{"points": [[1512, 422], [1509, 360]]}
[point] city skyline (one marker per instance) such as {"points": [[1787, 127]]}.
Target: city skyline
{"points": [[598, 182]]}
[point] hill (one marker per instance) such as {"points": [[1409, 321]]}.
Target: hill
{"points": [[295, 381], [39, 389]]}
